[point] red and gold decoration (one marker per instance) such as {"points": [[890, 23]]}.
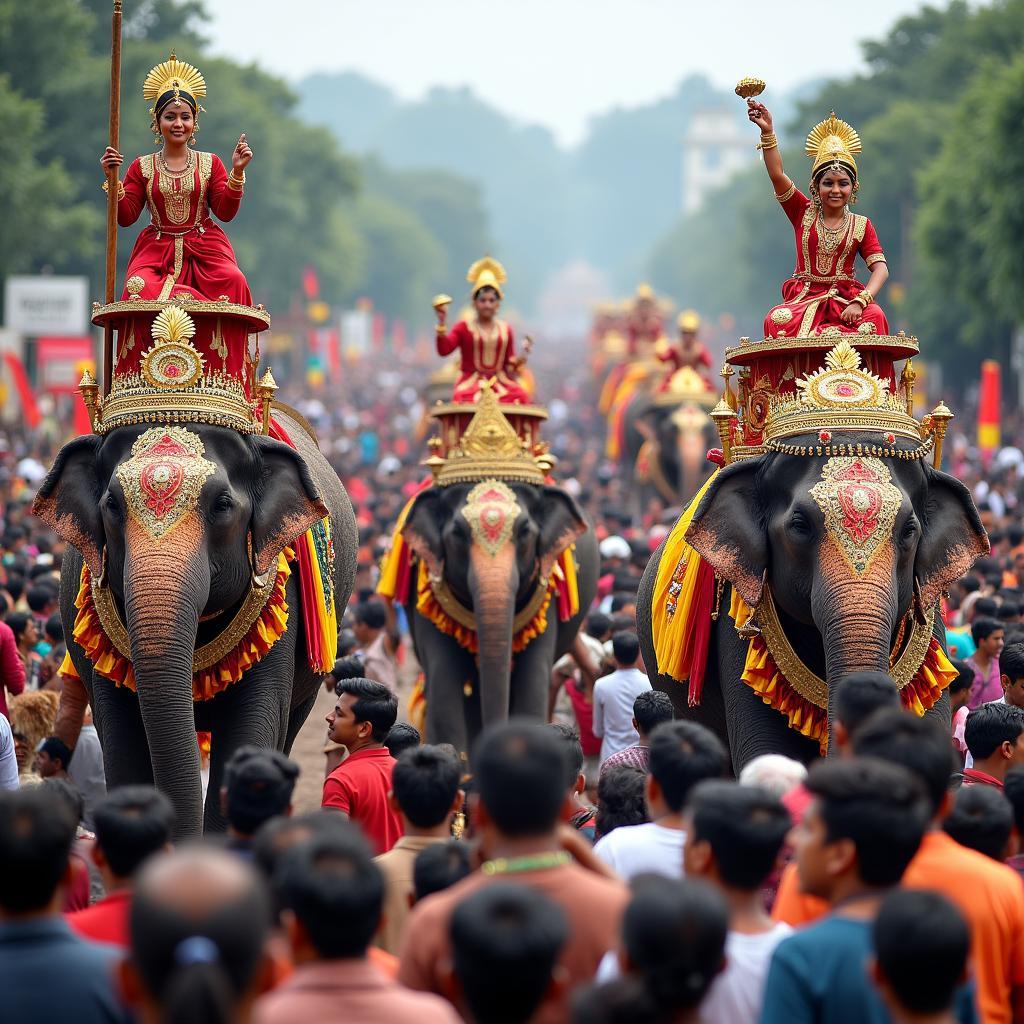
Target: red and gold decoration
{"points": [[989, 402]]}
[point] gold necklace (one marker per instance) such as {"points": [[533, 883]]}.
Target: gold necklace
{"points": [[829, 240], [165, 169], [176, 187]]}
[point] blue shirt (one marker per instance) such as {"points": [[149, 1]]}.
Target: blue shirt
{"points": [[47, 974]]}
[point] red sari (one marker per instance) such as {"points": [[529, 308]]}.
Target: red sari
{"points": [[697, 358], [810, 297], [181, 250], [483, 358]]}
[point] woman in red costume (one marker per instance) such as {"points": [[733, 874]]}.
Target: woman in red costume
{"points": [[181, 251], [690, 352], [485, 343], [823, 291]]}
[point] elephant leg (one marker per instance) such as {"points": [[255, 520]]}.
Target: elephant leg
{"points": [[126, 757], [531, 675], [452, 716]]}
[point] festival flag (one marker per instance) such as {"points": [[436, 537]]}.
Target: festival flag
{"points": [[989, 393], [29, 409]]}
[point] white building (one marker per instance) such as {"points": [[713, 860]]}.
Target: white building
{"points": [[714, 148]]}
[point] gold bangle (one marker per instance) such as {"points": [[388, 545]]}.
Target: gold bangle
{"points": [[865, 298], [235, 182], [441, 329], [787, 195], [768, 141], [120, 189]]}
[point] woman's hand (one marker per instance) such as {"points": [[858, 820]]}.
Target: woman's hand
{"points": [[853, 312], [760, 115], [442, 315], [242, 154], [111, 158]]}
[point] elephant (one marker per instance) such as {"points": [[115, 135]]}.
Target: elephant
{"points": [[173, 589], [494, 577], [762, 527]]}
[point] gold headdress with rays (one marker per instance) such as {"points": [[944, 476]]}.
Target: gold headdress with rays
{"points": [[487, 273], [833, 141], [175, 77]]}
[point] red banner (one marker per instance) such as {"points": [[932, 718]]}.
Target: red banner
{"points": [[29, 409], [989, 400]]}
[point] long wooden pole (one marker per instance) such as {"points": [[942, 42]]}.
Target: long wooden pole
{"points": [[112, 178]]}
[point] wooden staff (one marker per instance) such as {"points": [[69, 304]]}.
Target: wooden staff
{"points": [[115, 132]]}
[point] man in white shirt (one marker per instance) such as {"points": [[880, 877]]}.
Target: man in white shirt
{"points": [[8, 759], [614, 695]]}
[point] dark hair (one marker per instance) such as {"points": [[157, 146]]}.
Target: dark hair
{"points": [[982, 629], [570, 738], [425, 782], [820, 173], [650, 709], [920, 745], [486, 288], [681, 755], [981, 819], [1011, 662], [335, 890], [921, 944], [374, 703], [18, 621], [674, 934], [439, 866], [55, 628], [131, 823], [991, 725], [505, 941], [985, 608], [879, 806], [402, 737], [348, 667], [371, 614], [347, 643], [57, 750], [622, 1001], [598, 624], [197, 963], [37, 829], [1013, 790], [626, 647], [964, 676], [745, 827], [860, 694], [259, 784], [621, 799], [520, 771], [1008, 610], [38, 597]]}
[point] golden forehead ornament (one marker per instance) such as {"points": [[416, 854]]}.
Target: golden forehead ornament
{"points": [[491, 510]]}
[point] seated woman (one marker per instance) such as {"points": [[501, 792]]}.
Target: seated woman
{"points": [[690, 352], [823, 291], [181, 251], [485, 343]]}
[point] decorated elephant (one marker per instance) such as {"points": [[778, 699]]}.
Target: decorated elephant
{"points": [[186, 615]]}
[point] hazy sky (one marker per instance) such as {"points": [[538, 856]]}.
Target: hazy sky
{"points": [[555, 62]]}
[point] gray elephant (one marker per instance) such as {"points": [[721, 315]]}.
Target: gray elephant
{"points": [[489, 550], [767, 525], [179, 546]]}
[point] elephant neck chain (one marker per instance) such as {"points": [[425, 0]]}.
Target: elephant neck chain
{"points": [[467, 618]]}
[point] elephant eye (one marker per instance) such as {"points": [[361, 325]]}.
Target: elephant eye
{"points": [[909, 529], [110, 503], [799, 524], [223, 503]]}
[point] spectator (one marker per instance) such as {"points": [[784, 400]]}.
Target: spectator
{"points": [[988, 635], [995, 740], [650, 709], [982, 819], [1011, 674], [621, 800], [198, 923], [426, 794], [614, 695], [520, 774], [52, 758], [921, 942], [774, 773], [375, 646], [362, 717], [26, 636], [47, 973], [858, 696], [86, 770], [439, 867], [258, 786], [33, 717], [1013, 790], [583, 817], [132, 824], [863, 826], [505, 944], [12, 668], [8, 756], [959, 698], [402, 737], [681, 755], [623, 1001]]}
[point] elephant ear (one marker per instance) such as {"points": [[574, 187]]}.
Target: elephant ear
{"points": [[69, 499], [422, 530], [286, 501], [561, 521], [952, 538], [727, 532]]}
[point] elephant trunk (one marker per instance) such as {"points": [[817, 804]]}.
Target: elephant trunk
{"points": [[166, 584], [493, 581]]}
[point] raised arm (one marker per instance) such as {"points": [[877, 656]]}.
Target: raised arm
{"points": [[760, 115], [447, 343]]}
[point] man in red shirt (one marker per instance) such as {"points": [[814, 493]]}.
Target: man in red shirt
{"points": [[131, 823], [360, 785]]}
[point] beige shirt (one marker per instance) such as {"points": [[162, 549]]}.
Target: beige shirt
{"points": [[396, 866], [379, 665]]}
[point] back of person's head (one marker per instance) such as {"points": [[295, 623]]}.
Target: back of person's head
{"points": [[569, 736], [650, 709], [920, 745], [402, 737], [18, 621], [681, 755], [744, 826], [54, 628], [990, 726], [506, 940], [38, 597], [984, 608], [198, 922], [775, 773], [371, 614], [520, 771], [439, 866], [425, 781], [983, 627], [1013, 790], [964, 677], [879, 807], [373, 702], [37, 828], [1008, 610], [259, 784], [982, 819], [860, 694], [622, 1001], [1011, 661], [621, 799], [334, 889], [132, 823], [921, 943], [598, 625], [673, 934], [349, 666], [626, 647]]}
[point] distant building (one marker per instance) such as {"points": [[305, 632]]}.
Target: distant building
{"points": [[714, 148]]}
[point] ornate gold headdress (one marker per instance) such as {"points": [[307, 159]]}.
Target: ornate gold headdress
{"points": [[487, 273], [688, 321], [171, 81], [834, 142]]}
